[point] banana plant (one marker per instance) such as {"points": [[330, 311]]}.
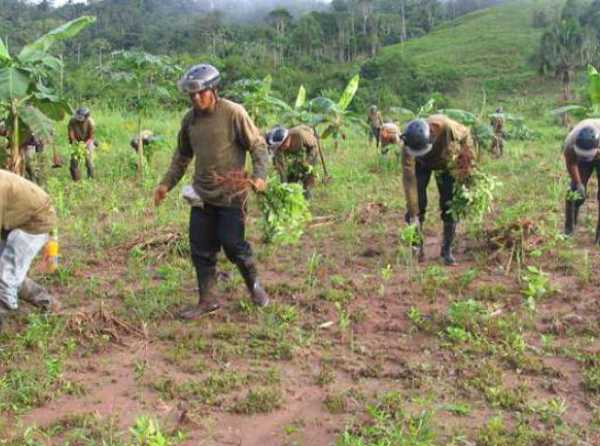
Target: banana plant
{"points": [[583, 111], [147, 80], [334, 116], [257, 97], [28, 99]]}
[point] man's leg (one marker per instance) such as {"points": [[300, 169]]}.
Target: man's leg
{"points": [[572, 205], [204, 245], [597, 238], [445, 184], [89, 159], [74, 169], [309, 183], [423, 175], [232, 236], [15, 260]]}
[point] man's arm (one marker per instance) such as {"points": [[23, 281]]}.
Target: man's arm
{"points": [[572, 168], [409, 181], [251, 139], [180, 161]]}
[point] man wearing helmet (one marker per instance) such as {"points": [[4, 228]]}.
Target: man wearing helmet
{"points": [[581, 152], [441, 145], [375, 121], [295, 153], [217, 133], [82, 129]]}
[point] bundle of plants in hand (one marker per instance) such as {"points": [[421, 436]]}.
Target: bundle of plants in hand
{"points": [[473, 196], [285, 212]]}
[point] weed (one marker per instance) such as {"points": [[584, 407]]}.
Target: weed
{"points": [[259, 400]]}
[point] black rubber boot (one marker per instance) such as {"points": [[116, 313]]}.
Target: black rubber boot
{"points": [[89, 164], [421, 245], [74, 169], [571, 212], [449, 233], [207, 301], [597, 239], [249, 273]]}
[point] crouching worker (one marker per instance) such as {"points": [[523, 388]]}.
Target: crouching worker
{"points": [[442, 146], [582, 158], [148, 139], [26, 218], [295, 153], [217, 134]]}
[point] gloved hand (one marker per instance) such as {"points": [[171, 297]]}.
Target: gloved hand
{"points": [[580, 189]]}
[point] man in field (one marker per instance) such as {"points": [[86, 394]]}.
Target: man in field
{"points": [[497, 123], [442, 146], [82, 129], [218, 133], [375, 121], [582, 158], [26, 218], [295, 155], [148, 139]]}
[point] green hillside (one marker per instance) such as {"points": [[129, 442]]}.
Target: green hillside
{"points": [[491, 48]]}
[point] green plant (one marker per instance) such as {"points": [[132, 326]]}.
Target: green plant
{"points": [[146, 432], [285, 212], [537, 285], [473, 197], [27, 92]]}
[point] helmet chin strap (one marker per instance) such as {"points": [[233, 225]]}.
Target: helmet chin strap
{"points": [[586, 154], [418, 153]]}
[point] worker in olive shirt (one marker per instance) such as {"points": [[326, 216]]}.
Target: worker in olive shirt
{"points": [[445, 147], [295, 155], [582, 157], [375, 121], [497, 123], [26, 218], [218, 133], [82, 129]]}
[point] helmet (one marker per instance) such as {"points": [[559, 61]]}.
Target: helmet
{"points": [[499, 110], [372, 108], [82, 113], [417, 138], [276, 137], [587, 142], [198, 78]]}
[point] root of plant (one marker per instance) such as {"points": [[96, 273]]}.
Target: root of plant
{"points": [[101, 322], [159, 245]]}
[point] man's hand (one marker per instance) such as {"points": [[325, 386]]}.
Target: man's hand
{"points": [[160, 193], [260, 185], [581, 191]]}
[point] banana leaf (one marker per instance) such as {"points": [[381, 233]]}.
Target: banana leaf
{"points": [[401, 113], [38, 123], [14, 83], [301, 98], [320, 104], [465, 117], [55, 110], [427, 108], [66, 31], [576, 110], [594, 85], [4, 54], [349, 93]]}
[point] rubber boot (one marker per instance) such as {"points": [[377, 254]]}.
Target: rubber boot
{"points": [[449, 233], [207, 301], [571, 212], [37, 296], [89, 165], [3, 314], [257, 293], [597, 239], [74, 169], [421, 245]]}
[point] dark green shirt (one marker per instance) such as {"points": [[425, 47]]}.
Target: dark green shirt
{"points": [[301, 157], [218, 140]]}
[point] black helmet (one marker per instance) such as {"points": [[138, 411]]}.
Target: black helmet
{"points": [[499, 110], [587, 142], [198, 78], [417, 137], [276, 137], [82, 113]]}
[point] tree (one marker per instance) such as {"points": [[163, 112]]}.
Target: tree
{"points": [[565, 47], [27, 92]]}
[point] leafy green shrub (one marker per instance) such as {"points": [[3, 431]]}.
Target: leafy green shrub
{"points": [[285, 212]]}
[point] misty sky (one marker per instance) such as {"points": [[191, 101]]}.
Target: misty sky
{"points": [[62, 2]]}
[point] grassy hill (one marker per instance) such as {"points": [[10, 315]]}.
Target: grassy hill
{"points": [[492, 48]]}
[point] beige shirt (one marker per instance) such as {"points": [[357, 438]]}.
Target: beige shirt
{"points": [[24, 205]]}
